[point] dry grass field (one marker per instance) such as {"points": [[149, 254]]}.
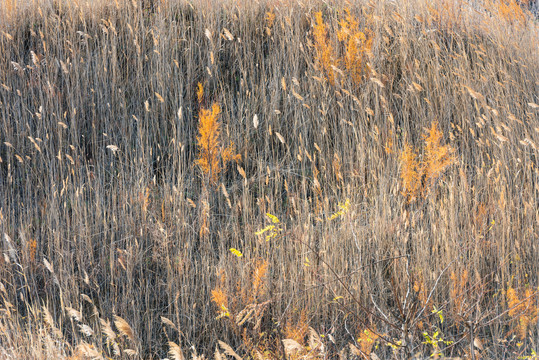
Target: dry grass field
{"points": [[269, 179]]}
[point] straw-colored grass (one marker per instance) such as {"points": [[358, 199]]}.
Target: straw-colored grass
{"points": [[367, 185]]}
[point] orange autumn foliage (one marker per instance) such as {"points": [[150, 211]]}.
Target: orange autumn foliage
{"points": [[351, 49], [418, 175], [357, 45], [213, 156], [523, 308], [511, 11], [324, 49]]}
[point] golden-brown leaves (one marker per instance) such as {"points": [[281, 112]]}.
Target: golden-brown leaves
{"points": [[523, 308], [213, 156], [351, 50], [418, 175]]}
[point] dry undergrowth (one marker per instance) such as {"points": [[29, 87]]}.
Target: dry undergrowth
{"points": [[269, 180]]}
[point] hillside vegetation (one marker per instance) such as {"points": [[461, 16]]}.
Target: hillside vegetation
{"points": [[269, 179]]}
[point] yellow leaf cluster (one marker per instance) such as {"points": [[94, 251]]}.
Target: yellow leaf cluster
{"points": [[236, 252], [272, 229], [343, 210]]}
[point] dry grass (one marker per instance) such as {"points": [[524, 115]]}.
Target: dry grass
{"points": [[383, 198]]}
